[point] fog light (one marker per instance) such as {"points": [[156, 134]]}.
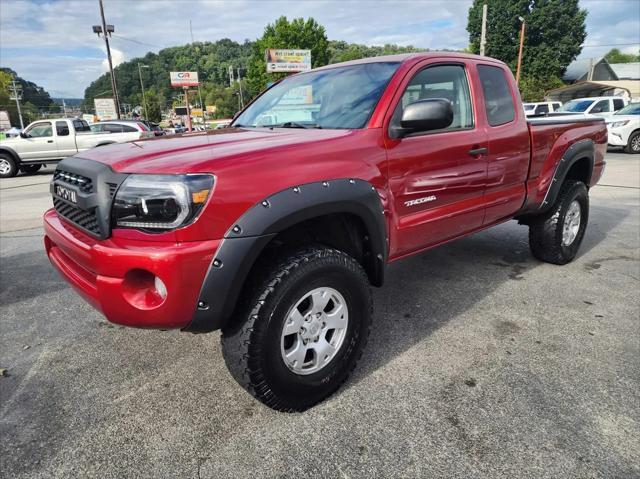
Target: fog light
{"points": [[160, 287]]}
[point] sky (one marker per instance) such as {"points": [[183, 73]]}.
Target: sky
{"points": [[50, 42]]}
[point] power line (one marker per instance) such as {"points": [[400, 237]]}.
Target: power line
{"points": [[120, 37]]}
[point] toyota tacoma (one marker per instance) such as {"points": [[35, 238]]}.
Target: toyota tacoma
{"points": [[274, 229]]}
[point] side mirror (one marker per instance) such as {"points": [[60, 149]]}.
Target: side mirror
{"points": [[424, 115], [23, 135]]}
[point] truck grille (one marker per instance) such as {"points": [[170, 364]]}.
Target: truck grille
{"points": [[82, 182], [84, 218]]}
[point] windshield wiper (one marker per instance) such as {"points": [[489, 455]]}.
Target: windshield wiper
{"points": [[293, 124]]}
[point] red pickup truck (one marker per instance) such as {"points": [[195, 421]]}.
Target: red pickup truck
{"points": [[274, 228]]}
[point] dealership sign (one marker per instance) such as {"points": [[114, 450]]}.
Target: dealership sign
{"points": [[105, 108], [179, 79], [288, 60]]}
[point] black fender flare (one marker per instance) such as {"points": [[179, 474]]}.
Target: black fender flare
{"points": [[584, 149], [247, 237], [12, 152]]}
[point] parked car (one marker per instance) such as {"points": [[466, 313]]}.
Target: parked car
{"points": [[49, 141], [541, 108], [275, 234], [600, 106], [624, 128], [154, 127], [124, 130]]}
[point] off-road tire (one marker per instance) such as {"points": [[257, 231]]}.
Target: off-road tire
{"points": [[30, 169], [546, 231], [13, 167], [633, 145], [251, 342]]}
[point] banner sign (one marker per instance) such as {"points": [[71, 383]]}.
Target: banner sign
{"points": [[288, 60], [105, 108], [179, 79]]}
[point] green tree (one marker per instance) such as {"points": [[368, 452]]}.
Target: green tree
{"points": [[555, 31], [616, 56], [297, 33]]}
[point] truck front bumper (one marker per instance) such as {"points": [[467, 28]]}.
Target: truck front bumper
{"points": [[134, 283]]}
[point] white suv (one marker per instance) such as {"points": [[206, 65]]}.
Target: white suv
{"points": [[624, 128]]}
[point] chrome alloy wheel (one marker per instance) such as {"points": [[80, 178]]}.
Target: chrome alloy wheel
{"points": [[314, 331], [571, 223], [635, 143], [5, 166]]}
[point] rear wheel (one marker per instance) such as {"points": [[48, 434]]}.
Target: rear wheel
{"points": [[555, 236], [30, 169], [8, 167], [633, 146], [302, 329]]}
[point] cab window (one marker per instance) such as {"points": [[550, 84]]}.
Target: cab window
{"points": [[61, 128], [447, 82], [542, 109], [40, 130], [618, 103], [498, 101], [601, 107]]}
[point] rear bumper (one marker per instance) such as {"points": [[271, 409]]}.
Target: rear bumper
{"points": [[116, 275]]}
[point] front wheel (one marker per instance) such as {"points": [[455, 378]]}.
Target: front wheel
{"points": [[555, 236], [8, 167], [302, 329], [633, 146]]}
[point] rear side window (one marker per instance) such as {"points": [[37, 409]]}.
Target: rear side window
{"points": [[617, 104], [498, 101], [112, 127], [542, 109], [128, 129]]}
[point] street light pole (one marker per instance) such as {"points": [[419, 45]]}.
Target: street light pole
{"points": [[106, 33], [520, 51], [483, 34], [144, 101], [15, 95]]}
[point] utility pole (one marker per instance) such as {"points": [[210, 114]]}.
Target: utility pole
{"points": [[520, 51], [144, 101], [106, 31], [64, 108], [199, 91], [240, 89], [17, 98], [483, 35]]}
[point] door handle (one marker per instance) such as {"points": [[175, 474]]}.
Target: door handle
{"points": [[49, 141], [478, 151]]}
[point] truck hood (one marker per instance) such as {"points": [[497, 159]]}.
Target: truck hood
{"points": [[202, 152]]}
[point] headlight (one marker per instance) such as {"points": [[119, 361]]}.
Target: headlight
{"points": [[160, 202], [617, 124]]}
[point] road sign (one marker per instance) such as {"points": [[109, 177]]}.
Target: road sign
{"points": [[288, 60], [179, 79], [105, 108]]}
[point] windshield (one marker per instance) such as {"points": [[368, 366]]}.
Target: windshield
{"points": [[336, 98], [631, 109], [576, 105]]}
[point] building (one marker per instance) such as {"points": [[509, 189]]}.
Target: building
{"points": [[597, 77]]}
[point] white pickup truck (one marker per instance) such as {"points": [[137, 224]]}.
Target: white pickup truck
{"points": [[49, 141]]}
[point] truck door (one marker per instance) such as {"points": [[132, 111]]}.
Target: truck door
{"points": [[509, 149], [39, 142], [66, 141], [436, 178]]}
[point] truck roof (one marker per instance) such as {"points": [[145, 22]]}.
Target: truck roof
{"points": [[406, 57]]}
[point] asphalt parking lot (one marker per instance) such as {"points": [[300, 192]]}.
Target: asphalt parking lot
{"points": [[483, 363]]}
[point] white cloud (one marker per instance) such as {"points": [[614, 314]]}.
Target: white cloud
{"points": [[45, 40], [117, 57]]}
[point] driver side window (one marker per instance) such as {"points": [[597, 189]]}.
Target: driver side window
{"points": [[40, 130], [601, 107], [447, 82]]}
